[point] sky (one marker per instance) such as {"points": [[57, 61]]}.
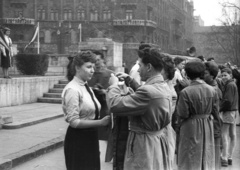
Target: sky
{"points": [[209, 10]]}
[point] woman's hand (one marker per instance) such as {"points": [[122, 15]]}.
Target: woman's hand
{"points": [[113, 80], [105, 120]]}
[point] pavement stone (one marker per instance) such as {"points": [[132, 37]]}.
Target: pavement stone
{"points": [[30, 114], [20, 145]]}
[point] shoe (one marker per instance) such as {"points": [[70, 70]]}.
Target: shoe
{"points": [[224, 162], [229, 161], [238, 124]]}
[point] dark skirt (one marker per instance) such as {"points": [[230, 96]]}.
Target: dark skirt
{"points": [[81, 149], [5, 60]]}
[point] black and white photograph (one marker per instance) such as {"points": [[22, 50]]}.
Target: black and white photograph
{"points": [[119, 84]]}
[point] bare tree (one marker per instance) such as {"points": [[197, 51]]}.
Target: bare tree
{"points": [[227, 36]]}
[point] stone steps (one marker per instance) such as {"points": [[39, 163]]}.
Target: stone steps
{"points": [[49, 100], [54, 94], [56, 90], [58, 86]]}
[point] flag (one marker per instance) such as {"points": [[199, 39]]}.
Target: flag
{"points": [[34, 36], [3, 41]]}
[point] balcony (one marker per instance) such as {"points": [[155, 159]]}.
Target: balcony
{"points": [[18, 21], [134, 22]]}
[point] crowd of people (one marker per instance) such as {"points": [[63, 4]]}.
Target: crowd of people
{"points": [[177, 107]]}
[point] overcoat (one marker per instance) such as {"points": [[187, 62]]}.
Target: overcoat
{"points": [[149, 110]]}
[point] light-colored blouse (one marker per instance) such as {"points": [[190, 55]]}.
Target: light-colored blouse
{"points": [[77, 103]]}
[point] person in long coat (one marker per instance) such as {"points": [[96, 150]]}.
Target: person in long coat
{"points": [[149, 110], [197, 103]]}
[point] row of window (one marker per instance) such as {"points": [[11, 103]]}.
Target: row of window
{"points": [[80, 15]]}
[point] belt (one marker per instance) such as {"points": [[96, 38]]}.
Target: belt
{"points": [[200, 116], [144, 131]]}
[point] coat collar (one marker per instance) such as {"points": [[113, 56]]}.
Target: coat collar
{"points": [[155, 79], [196, 82], [79, 81]]}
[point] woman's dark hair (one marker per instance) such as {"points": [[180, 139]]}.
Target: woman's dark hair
{"points": [[212, 67], [195, 69], [178, 60], [169, 66], [96, 52], [79, 60], [152, 56]]}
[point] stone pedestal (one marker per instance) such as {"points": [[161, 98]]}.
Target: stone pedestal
{"points": [[113, 51]]}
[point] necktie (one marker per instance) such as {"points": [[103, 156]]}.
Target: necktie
{"points": [[95, 104]]}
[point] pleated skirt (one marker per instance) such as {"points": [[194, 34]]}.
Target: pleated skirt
{"points": [[81, 149]]}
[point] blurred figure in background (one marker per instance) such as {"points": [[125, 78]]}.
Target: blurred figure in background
{"points": [[99, 84], [210, 75]]}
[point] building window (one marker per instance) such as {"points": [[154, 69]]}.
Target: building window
{"points": [[106, 15], [70, 14], [129, 14], [94, 15], [80, 14], [41, 14], [54, 14], [67, 14]]}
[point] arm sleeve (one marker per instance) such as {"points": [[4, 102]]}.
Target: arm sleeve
{"points": [[215, 108], [71, 103], [227, 98], [183, 106], [129, 105]]}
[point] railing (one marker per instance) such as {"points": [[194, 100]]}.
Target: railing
{"points": [[25, 21], [134, 22], [124, 22]]}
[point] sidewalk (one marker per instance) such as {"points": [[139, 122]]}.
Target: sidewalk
{"points": [[24, 142]]}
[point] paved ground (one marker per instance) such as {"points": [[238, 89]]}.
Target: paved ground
{"points": [[55, 161], [20, 145]]}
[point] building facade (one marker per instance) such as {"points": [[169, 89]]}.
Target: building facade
{"points": [[64, 23]]}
